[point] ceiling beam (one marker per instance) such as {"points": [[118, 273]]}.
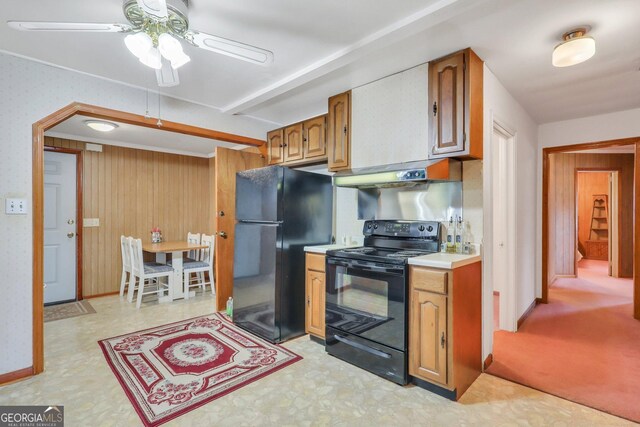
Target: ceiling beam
{"points": [[436, 13]]}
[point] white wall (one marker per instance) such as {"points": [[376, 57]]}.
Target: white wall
{"points": [[501, 106], [602, 127], [30, 91]]}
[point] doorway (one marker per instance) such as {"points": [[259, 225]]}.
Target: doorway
{"points": [[62, 236], [38, 150], [597, 221], [503, 196]]}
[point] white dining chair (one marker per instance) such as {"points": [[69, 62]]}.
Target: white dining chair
{"points": [[148, 275], [126, 277], [194, 255], [204, 265]]}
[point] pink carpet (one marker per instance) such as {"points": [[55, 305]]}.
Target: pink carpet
{"points": [[583, 346]]}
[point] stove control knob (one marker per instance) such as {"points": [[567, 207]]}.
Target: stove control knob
{"points": [[430, 228], [369, 226], [421, 228], [375, 225]]}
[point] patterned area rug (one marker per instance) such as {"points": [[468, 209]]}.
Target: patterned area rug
{"points": [[65, 311], [172, 369]]}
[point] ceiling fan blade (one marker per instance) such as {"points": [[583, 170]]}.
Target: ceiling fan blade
{"points": [[167, 76], [228, 47], [155, 8], [69, 26]]}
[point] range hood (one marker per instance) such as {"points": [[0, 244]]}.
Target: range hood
{"points": [[400, 174]]}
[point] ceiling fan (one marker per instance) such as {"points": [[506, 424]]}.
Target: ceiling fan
{"points": [[154, 30]]}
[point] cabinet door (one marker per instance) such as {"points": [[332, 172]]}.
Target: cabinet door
{"points": [[447, 105], [339, 132], [315, 303], [275, 146], [315, 137], [428, 336], [293, 143]]}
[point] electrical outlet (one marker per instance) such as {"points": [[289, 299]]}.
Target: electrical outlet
{"points": [[15, 206], [91, 222]]}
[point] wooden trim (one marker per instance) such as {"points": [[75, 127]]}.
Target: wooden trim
{"points": [[636, 235], [38, 130], [636, 218], [528, 312], [439, 170], [106, 294], [79, 210], [14, 376], [487, 362], [151, 122]]}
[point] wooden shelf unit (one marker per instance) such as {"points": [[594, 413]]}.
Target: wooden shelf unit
{"points": [[598, 244]]}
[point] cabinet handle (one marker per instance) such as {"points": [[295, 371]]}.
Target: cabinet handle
{"points": [[285, 145], [442, 340], [435, 108], [308, 301], [345, 129], [281, 145]]}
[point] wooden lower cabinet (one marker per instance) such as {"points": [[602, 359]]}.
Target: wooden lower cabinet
{"points": [[315, 295], [445, 327]]}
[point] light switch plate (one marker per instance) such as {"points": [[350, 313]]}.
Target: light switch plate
{"points": [[15, 206], [91, 222]]}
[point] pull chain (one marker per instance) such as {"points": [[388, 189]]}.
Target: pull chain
{"points": [[159, 114]]}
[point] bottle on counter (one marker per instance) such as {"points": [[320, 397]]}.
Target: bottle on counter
{"points": [[451, 236], [460, 236]]}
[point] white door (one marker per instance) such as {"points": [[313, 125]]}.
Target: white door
{"points": [[59, 227], [503, 225]]}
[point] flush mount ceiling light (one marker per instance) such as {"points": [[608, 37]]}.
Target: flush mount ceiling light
{"points": [[575, 48], [100, 125], [155, 33]]}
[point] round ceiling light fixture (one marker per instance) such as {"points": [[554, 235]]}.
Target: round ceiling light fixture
{"points": [[575, 48], [100, 125]]}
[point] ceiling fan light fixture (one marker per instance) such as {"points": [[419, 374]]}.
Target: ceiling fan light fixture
{"points": [[180, 60], [152, 59], [171, 50], [575, 48], [100, 125], [138, 44]]}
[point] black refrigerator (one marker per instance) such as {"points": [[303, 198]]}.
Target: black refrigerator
{"points": [[279, 211]]}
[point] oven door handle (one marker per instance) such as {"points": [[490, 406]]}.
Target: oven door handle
{"points": [[399, 270], [362, 347]]}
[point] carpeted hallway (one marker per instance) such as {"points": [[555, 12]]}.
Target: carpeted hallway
{"points": [[583, 346]]}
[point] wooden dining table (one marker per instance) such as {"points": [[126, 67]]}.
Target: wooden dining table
{"points": [[176, 249]]}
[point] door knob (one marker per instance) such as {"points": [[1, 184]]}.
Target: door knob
{"points": [[71, 222], [222, 234], [70, 235], [221, 213]]}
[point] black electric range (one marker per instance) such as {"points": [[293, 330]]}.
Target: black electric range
{"points": [[367, 295]]}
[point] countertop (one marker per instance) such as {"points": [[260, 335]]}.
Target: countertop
{"points": [[445, 260], [322, 249]]}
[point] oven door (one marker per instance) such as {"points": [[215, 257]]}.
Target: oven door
{"points": [[367, 300]]}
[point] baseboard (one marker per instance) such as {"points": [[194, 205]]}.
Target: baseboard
{"points": [[553, 280], [565, 276], [527, 312], [14, 376], [487, 362], [101, 295]]}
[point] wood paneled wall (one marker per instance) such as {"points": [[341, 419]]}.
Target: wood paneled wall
{"points": [[589, 184], [131, 191], [562, 208]]}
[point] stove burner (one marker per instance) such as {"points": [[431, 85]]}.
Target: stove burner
{"points": [[362, 250], [406, 254]]}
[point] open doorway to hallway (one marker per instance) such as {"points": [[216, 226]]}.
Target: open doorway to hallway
{"points": [[582, 344]]}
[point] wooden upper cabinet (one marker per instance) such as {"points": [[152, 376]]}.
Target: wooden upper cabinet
{"points": [[293, 149], [275, 146], [455, 106], [314, 137], [339, 132]]}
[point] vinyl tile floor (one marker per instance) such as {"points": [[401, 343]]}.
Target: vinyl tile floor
{"points": [[316, 391]]}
